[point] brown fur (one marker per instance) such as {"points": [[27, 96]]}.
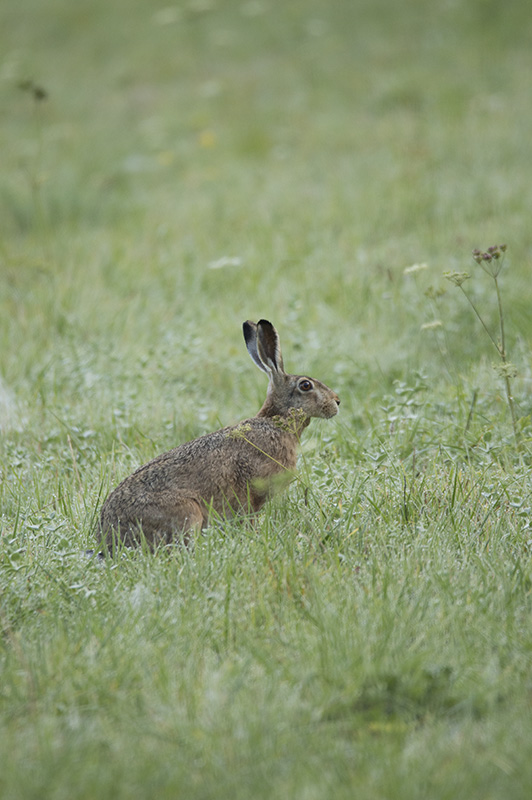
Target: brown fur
{"points": [[229, 472]]}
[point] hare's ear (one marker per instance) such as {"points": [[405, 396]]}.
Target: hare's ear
{"points": [[269, 347], [250, 335]]}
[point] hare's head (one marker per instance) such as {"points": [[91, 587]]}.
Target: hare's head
{"points": [[286, 392]]}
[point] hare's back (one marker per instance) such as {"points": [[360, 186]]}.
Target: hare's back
{"points": [[255, 446]]}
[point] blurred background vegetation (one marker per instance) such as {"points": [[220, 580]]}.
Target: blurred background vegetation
{"points": [[320, 147]]}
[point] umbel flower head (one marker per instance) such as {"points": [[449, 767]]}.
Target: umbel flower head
{"points": [[457, 277], [492, 253], [488, 259]]}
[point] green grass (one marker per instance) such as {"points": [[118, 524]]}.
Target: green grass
{"points": [[192, 166]]}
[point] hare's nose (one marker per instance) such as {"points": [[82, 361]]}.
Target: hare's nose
{"points": [[337, 399]]}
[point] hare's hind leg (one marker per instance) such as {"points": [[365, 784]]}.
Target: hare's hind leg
{"points": [[169, 519], [156, 518], [189, 520]]}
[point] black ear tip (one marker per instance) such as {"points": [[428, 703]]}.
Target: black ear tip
{"points": [[264, 323], [248, 327]]}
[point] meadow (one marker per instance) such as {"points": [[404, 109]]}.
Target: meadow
{"points": [[169, 171]]}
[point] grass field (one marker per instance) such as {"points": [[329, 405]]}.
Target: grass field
{"points": [[169, 171]]}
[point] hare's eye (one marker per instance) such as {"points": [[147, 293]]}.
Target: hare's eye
{"points": [[305, 385]]}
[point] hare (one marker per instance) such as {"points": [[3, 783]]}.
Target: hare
{"points": [[229, 472]]}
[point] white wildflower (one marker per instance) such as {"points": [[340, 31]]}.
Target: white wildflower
{"points": [[225, 261], [414, 268]]}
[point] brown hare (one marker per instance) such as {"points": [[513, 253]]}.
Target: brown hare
{"points": [[228, 472]]}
